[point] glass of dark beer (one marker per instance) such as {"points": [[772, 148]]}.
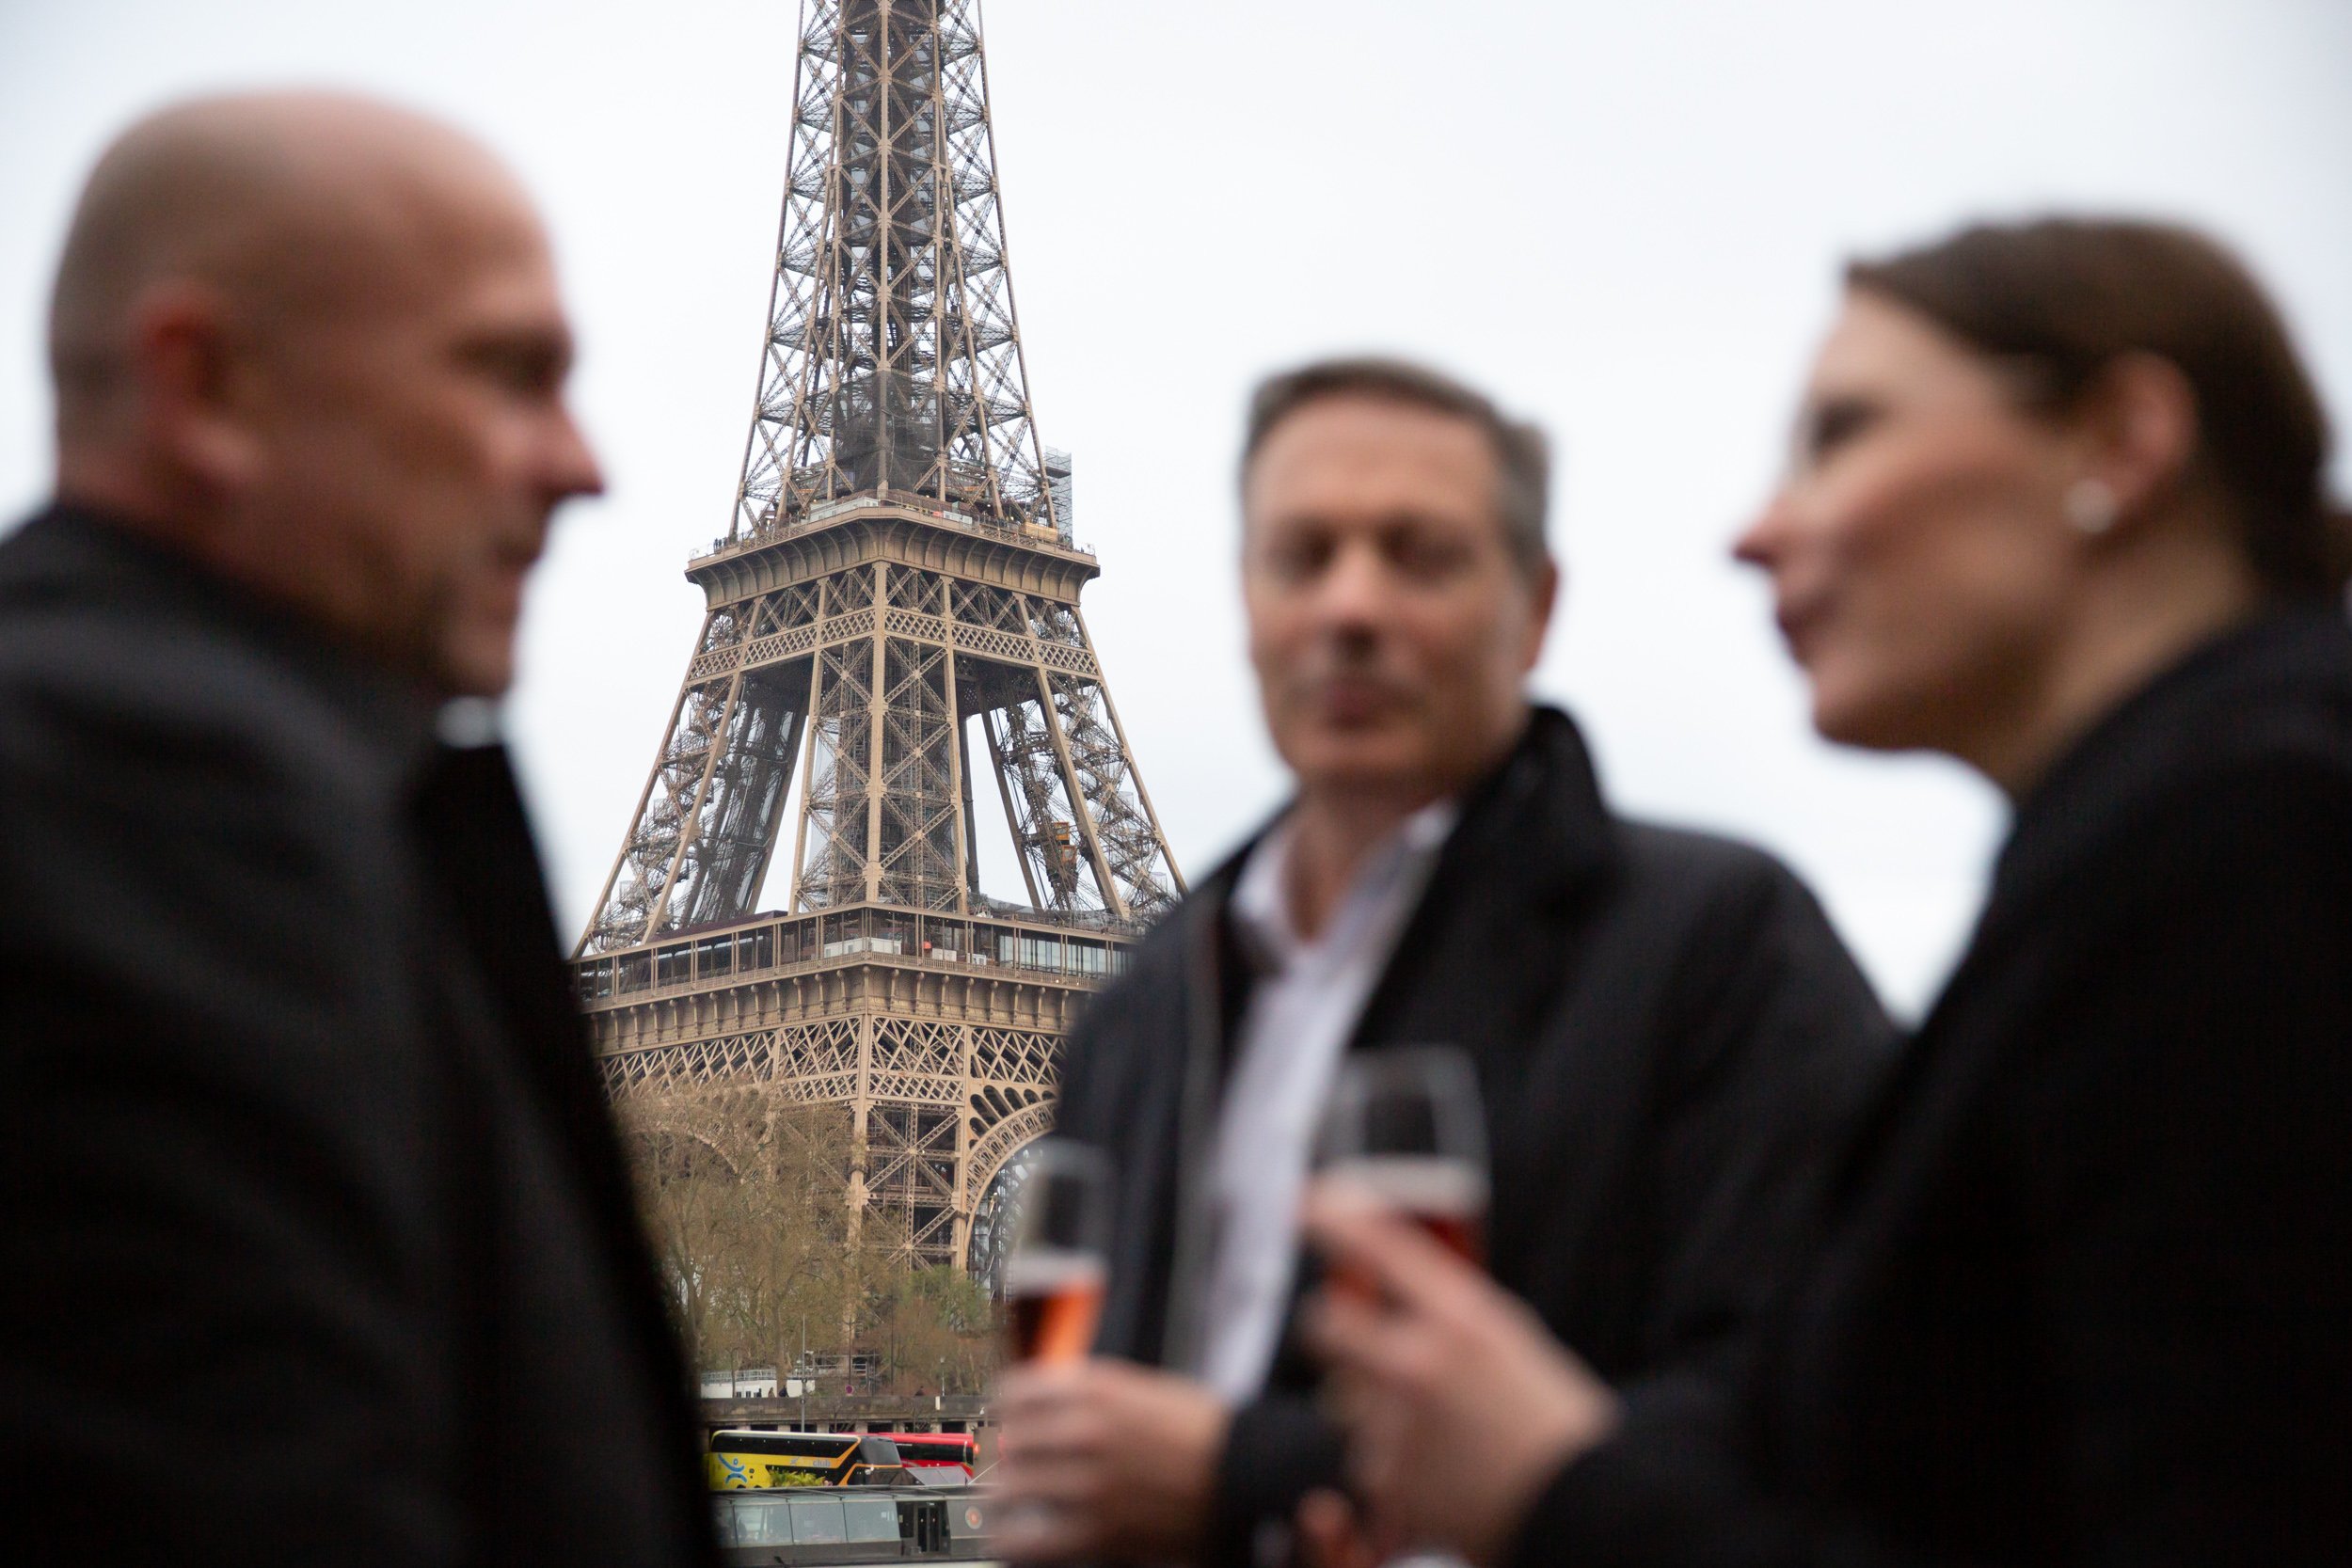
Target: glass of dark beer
{"points": [[1407, 1129], [1054, 1274]]}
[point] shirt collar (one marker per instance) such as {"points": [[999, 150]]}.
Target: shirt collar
{"points": [[1261, 905]]}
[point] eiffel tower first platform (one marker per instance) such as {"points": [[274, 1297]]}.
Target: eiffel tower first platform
{"points": [[891, 622]]}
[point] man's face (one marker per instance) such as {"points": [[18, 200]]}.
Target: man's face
{"points": [[416, 439], [1390, 626]]}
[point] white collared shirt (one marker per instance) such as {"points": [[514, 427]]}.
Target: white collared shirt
{"points": [[1302, 1013]]}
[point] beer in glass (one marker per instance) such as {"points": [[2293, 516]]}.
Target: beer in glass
{"points": [[1055, 1275], [1407, 1129]]}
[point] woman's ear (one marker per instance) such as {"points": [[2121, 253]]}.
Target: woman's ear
{"points": [[2139, 422]]}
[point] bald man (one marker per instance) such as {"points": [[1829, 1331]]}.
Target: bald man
{"points": [[317, 1240]]}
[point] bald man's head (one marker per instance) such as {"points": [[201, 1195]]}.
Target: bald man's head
{"points": [[315, 341]]}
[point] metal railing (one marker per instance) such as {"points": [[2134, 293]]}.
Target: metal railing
{"points": [[927, 506], [607, 980]]}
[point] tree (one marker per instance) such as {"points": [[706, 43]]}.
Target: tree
{"points": [[743, 1194], [934, 1328]]}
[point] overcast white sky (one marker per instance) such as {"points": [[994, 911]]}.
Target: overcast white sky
{"points": [[1625, 220]]}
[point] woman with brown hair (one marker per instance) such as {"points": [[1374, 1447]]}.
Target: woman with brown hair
{"points": [[2082, 1288]]}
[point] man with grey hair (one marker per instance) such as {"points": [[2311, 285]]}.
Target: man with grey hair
{"points": [[1666, 1033], [318, 1240]]}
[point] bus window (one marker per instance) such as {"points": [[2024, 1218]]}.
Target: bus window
{"points": [[871, 1518], [817, 1521], [936, 1458], [880, 1475]]}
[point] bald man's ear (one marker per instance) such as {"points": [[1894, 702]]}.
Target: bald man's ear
{"points": [[1544, 591], [188, 365]]}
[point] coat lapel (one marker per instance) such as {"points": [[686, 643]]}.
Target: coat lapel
{"points": [[478, 851], [1481, 950], [1490, 963], [1483, 962]]}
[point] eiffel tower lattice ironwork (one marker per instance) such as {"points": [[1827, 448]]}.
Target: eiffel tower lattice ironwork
{"points": [[899, 572]]}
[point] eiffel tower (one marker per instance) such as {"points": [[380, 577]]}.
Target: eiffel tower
{"points": [[899, 572]]}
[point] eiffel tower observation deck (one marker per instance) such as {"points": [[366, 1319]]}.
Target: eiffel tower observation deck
{"points": [[892, 639]]}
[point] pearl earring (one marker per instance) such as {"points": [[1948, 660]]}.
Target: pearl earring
{"points": [[2091, 507]]}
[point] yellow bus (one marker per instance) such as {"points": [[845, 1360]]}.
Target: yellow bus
{"points": [[741, 1457]]}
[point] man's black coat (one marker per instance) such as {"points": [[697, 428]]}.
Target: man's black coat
{"points": [[317, 1244], [2084, 1292], [1667, 1034]]}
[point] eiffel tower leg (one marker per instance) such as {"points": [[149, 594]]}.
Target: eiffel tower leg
{"points": [[861, 1128], [1127, 765], [971, 817], [966, 1094], [837, 806], [701, 842], [1004, 785], [658, 918], [960, 786], [767, 829], [604, 919], [1111, 899], [671, 807], [808, 778], [878, 714]]}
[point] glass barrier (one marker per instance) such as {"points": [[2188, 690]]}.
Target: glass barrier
{"points": [[755, 1522], [871, 1518], [818, 1521]]}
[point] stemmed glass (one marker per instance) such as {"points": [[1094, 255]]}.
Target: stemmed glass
{"points": [[1406, 1127], [1054, 1274]]}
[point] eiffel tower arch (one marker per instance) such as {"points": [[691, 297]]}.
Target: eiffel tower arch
{"points": [[892, 624]]}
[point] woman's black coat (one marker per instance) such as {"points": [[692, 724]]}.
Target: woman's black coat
{"points": [[2085, 1291]]}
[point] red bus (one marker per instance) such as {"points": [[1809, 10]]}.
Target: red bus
{"points": [[937, 1457]]}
